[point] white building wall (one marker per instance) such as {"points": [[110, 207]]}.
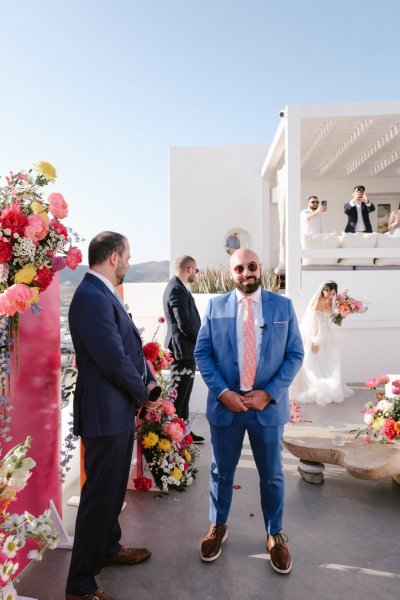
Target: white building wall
{"points": [[215, 190]]}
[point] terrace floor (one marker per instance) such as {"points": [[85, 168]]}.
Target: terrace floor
{"points": [[343, 536]]}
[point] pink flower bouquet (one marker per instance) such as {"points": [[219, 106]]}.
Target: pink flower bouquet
{"points": [[346, 306]]}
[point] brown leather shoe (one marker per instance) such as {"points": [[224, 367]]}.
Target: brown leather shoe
{"points": [[97, 595], [212, 542], [281, 561], [128, 556]]}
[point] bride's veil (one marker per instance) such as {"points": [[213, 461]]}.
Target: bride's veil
{"points": [[306, 323]]}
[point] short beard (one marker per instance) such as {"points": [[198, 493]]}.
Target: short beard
{"points": [[250, 288]]}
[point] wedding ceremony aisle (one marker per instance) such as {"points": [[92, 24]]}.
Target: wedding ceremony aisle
{"points": [[341, 535]]}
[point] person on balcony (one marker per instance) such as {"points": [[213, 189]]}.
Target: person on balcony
{"points": [[357, 211], [310, 218], [394, 222]]}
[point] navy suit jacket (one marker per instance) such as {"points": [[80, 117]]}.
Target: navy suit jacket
{"points": [[183, 320], [351, 212], [112, 372], [281, 356]]}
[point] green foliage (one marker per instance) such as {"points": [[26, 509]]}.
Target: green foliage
{"points": [[218, 281]]}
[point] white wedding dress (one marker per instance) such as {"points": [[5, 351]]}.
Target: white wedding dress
{"points": [[319, 379]]}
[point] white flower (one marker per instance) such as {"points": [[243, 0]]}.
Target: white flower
{"points": [[8, 592], [10, 546], [35, 555], [368, 418], [8, 569]]}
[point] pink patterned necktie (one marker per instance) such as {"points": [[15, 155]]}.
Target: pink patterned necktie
{"points": [[249, 350]]}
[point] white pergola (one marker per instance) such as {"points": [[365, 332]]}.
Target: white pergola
{"points": [[315, 144]]}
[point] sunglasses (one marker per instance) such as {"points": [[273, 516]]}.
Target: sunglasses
{"points": [[196, 270], [253, 266]]}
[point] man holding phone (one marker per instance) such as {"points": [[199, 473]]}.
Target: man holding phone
{"points": [[310, 218], [357, 211]]}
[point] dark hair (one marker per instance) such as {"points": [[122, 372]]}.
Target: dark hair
{"points": [[310, 197], [329, 286], [359, 188], [183, 262], [105, 244]]}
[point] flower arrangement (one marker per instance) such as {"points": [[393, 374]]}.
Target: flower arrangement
{"points": [[167, 447], [34, 245], [159, 357], [347, 306], [382, 418], [15, 529]]}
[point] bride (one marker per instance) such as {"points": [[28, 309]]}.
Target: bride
{"points": [[320, 380]]}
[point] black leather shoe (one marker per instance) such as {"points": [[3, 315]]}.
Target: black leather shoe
{"points": [[197, 439]]}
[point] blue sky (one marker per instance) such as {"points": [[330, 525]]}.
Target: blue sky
{"points": [[103, 88]]}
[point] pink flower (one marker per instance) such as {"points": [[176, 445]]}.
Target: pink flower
{"points": [[167, 407], [367, 438], [16, 298], [58, 206], [383, 379], [161, 320], [74, 257], [371, 383], [396, 391], [175, 432], [59, 228], [344, 309], [36, 229], [396, 382], [58, 263], [180, 422]]}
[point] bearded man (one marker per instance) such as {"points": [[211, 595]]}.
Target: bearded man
{"points": [[248, 350]]}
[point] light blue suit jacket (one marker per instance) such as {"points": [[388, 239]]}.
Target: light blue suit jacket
{"points": [[281, 356]]}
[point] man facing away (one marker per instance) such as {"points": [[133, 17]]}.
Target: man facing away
{"points": [[248, 351], [357, 211], [113, 382], [310, 218], [183, 324]]}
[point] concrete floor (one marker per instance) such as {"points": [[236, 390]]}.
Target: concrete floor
{"points": [[342, 535]]}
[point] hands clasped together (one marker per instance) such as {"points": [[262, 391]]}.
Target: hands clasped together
{"points": [[256, 399]]}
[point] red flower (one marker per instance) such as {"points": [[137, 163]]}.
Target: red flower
{"points": [[14, 219], [59, 228], [180, 422], [5, 250], [74, 257], [150, 351], [142, 484], [187, 440], [43, 279], [161, 320], [389, 429]]}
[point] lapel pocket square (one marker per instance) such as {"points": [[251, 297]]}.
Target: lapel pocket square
{"points": [[280, 322]]}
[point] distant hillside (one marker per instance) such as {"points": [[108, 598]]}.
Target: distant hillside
{"points": [[151, 271]]}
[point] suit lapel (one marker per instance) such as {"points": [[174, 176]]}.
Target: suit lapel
{"points": [[230, 313], [267, 310]]}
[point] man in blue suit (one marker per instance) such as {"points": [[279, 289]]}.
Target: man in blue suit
{"points": [[234, 339], [113, 382]]}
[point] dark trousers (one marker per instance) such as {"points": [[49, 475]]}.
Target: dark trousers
{"points": [[97, 530], [183, 382]]}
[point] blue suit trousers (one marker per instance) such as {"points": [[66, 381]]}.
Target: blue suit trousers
{"points": [[266, 445]]}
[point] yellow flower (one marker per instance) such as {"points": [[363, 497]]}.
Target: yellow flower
{"points": [[46, 170], [150, 440], [176, 474], [25, 275], [187, 456], [35, 298], [378, 423], [40, 209], [164, 445]]}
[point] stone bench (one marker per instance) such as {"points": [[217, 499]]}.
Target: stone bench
{"points": [[317, 446]]}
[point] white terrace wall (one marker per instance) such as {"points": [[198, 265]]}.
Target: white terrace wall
{"points": [[214, 191]]}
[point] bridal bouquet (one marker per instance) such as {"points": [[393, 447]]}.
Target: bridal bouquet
{"points": [[15, 529], [34, 245], [167, 445], [382, 417], [347, 306], [159, 357]]}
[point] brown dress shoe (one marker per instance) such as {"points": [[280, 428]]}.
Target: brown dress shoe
{"points": [[96, 595], [281, 561], [212, 542], [128, 556]]}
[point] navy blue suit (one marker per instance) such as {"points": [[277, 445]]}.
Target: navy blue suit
{"points": [[281, 356], [352, 216], [110, 387]]}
